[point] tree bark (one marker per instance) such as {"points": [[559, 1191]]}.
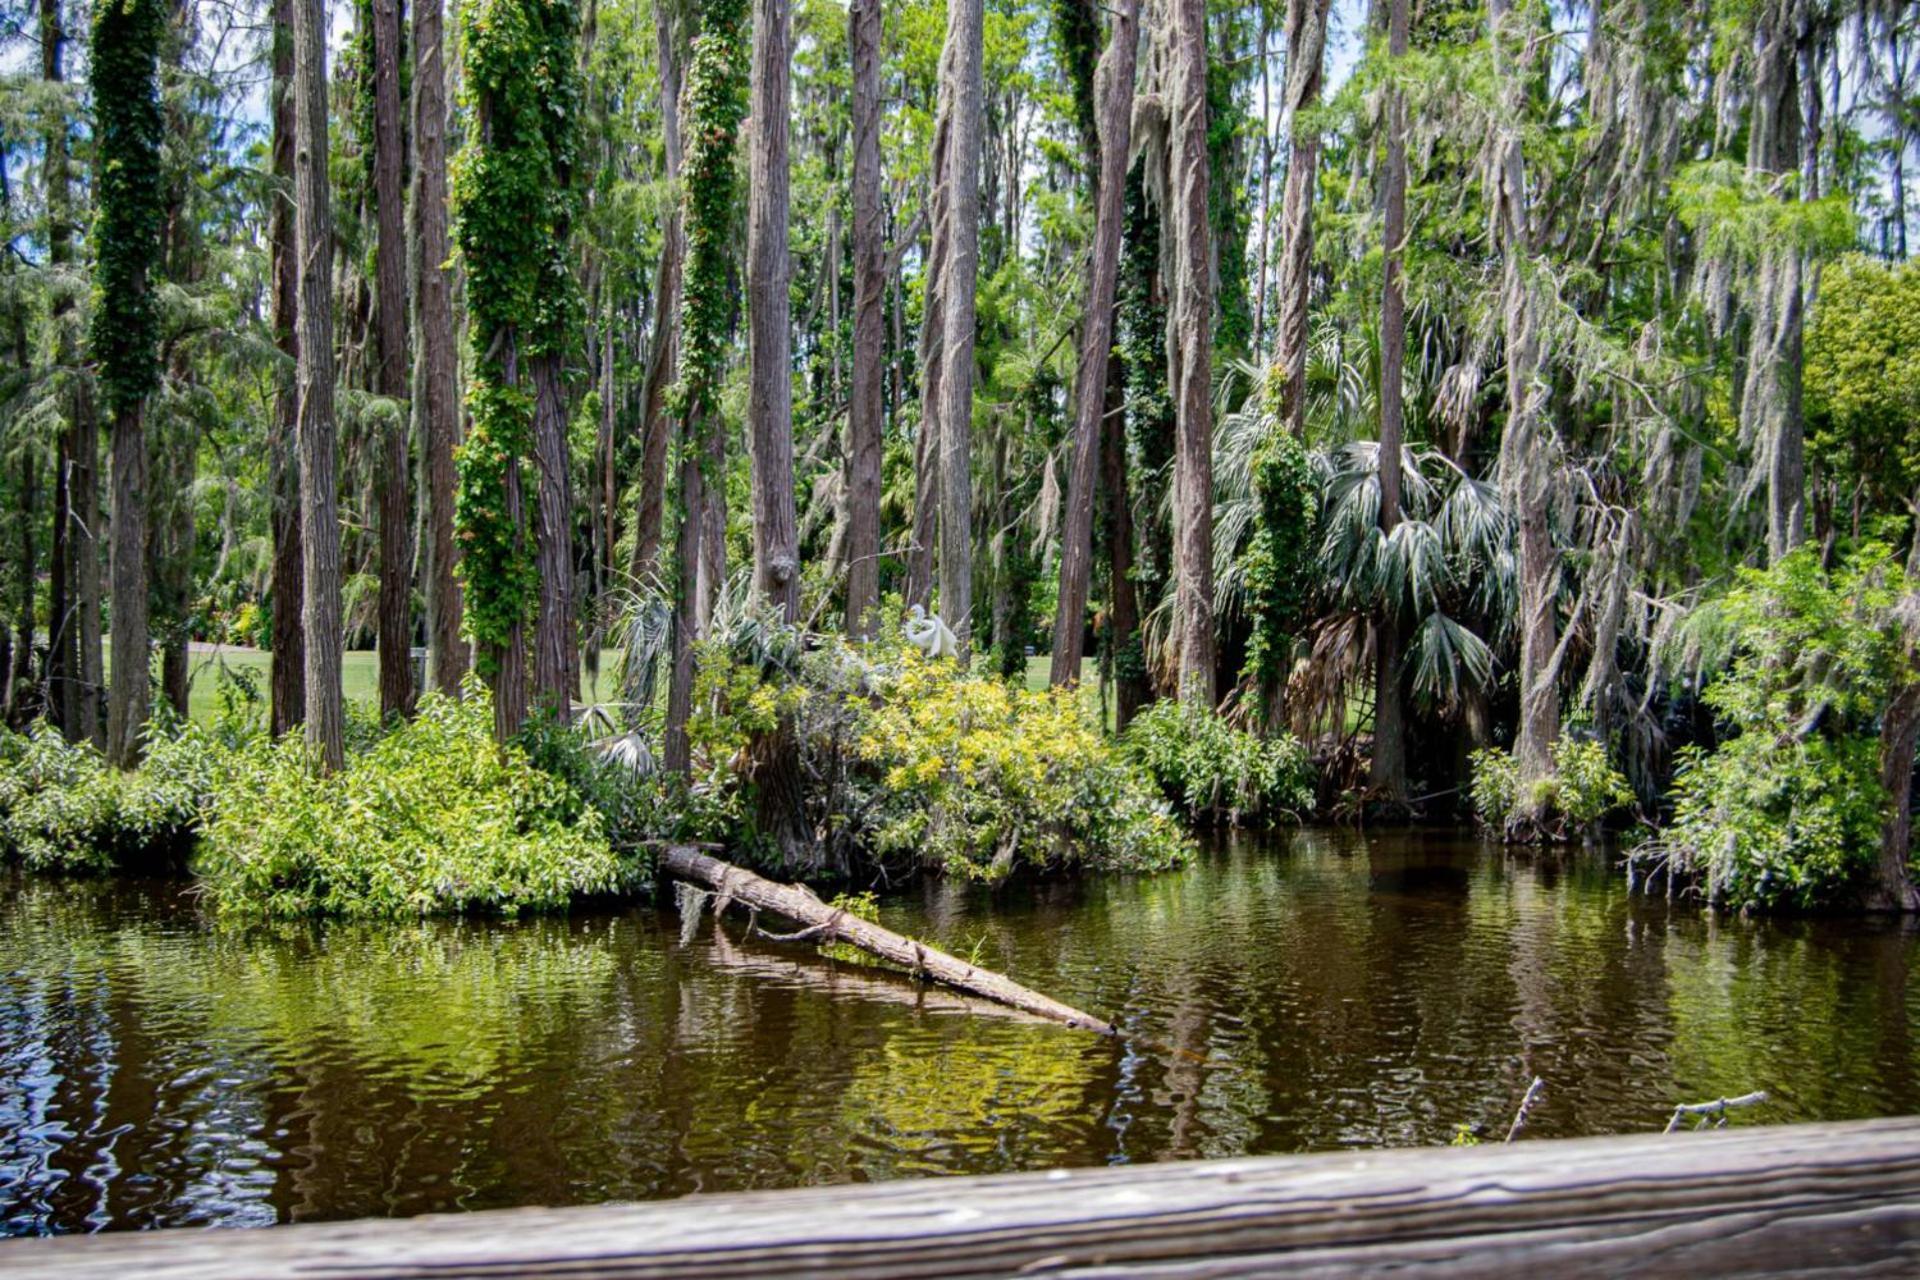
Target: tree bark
{"points": [[436, 400], [1132, 690], [688, 617], [1306, 56], [1893, 888], [662, 356], [286, 671], [1524, 450], [394, 625], [74, 620], [865, 406], [1389, 763], [554, 649], [965, 32], [21, 702], [1190, 356], [932, 348], [776, 551], [1096, 340], [319, 520]]}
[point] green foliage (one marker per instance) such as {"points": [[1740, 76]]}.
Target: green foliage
{"points": [[513, 204], [1583, 789], [1216, 773], [1786, 810], [905, 757], [716, 103], [1279, 565], [127, 224], [1863, 379], [64, 808], [434, 818]]}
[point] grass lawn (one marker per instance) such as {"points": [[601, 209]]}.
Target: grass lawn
{"points": [[359, 676]]}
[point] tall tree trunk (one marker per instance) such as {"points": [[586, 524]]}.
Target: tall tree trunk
{"points": [[662, 356], [1263, 255], [1389, 765], [21, 700], [1306, 56], [436, 402], [1525, 463], [127, 137], [932, 349], [75, 539], [1096, 340], [965, 34], [1131, 688], [1770, 401], [865, 406], [391, 474], [1190, 356], [554, 650], [776, 551], [1900, 730], [286, 672], [319, 519]]}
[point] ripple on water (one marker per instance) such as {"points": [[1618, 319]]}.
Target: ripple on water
{"points": [[1298, 992]]}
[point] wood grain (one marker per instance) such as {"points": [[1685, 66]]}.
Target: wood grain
{"points": [[1795, 1200]]}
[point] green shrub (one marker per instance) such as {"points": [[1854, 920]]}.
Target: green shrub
{"points": [[906, 757], [1217, 773], [1495, 784], [1583, 788], [432, 818], [64, 808], [1786, 810]]}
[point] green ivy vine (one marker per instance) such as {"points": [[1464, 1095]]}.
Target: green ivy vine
{"points": [[513, 204], [716, 97], [1279, 560], [130, 214]]}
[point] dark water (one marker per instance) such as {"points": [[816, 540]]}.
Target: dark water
{"points": [[1294, 993]]}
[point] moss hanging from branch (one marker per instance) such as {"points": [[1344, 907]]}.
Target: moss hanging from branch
{"points": [[127, 129], [513, 205]]}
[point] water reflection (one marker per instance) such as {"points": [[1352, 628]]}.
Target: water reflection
{"points": [[1314, 991]]}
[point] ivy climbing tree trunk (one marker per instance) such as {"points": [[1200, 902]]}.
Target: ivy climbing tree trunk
{"points": [[865, 406], [435, 404], [776, 550], [1389, 763], [716, 97], [932, 348], [1306, 57], [395, 622], [286, 670], [319, 518], [965, 35], [1115, 107], [1190, 356], [127, 128]]}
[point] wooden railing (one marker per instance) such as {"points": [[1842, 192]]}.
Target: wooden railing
{"points": [[1837, 1199]]}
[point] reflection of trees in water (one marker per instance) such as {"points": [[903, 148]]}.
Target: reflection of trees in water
{"points": [[1306, 990]]}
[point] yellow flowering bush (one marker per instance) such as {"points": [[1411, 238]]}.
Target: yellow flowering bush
{"points": [[978, 775]]}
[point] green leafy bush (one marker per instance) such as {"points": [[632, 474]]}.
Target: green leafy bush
{"points": [[64, 808], [1583, 789], [1786, 810], [1217, 773], [905, 757], [432, 818]]}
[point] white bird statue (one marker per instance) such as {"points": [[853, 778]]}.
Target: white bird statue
{"points": [[927, 633]]}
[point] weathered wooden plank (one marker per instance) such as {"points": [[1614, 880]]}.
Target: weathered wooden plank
{"points": [[1793, 1200]]}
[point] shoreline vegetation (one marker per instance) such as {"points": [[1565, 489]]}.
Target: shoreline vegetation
{"points": [[1479, 411]]}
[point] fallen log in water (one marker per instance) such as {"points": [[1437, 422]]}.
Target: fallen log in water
{"points": [[1814, 1200], [823, 923]]}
